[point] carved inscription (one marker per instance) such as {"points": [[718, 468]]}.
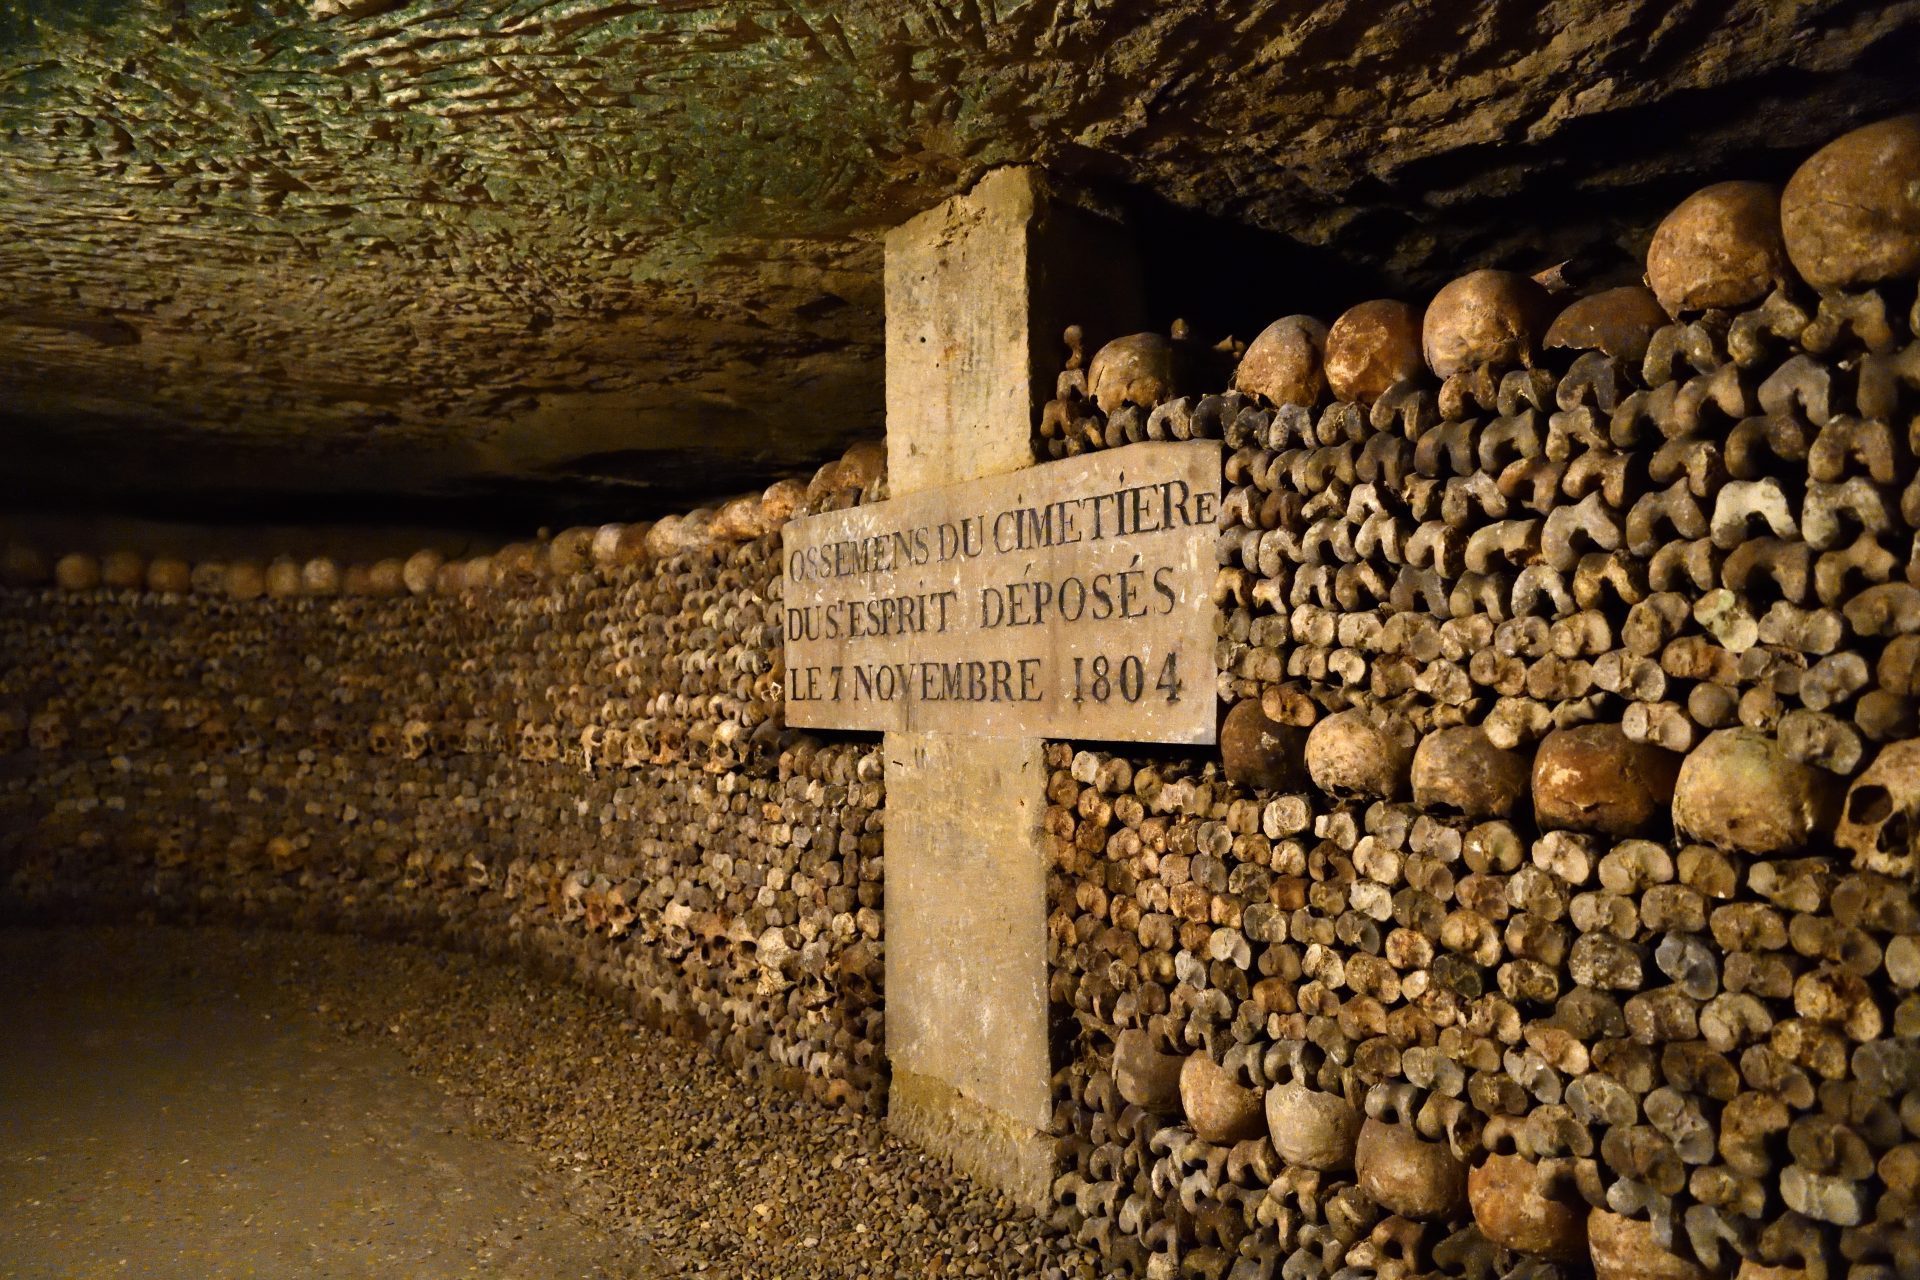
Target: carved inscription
{"points": [[1063, 600]]}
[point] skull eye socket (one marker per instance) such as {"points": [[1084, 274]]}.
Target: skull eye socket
{"points": [[1869, 804]]}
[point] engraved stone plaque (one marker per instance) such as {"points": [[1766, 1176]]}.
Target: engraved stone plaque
{"points": [[1069, 600]]}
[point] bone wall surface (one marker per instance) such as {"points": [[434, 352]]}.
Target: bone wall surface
{"points": [[1550, 903], [571, 751]]}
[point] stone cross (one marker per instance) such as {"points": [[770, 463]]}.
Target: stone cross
{"points": [[978, 292]]}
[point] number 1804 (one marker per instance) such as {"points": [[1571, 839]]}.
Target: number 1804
{"points": [[1101, 679]]}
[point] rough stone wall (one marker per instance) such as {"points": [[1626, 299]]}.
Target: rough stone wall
{"points": [[561, 253], [1551, 900], [583, 763]]}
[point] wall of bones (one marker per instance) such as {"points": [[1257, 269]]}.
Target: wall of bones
{"points": [[1548, 907], [570, 749], [1550, 903]]}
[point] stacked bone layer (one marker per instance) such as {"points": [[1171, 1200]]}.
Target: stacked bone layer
{"points": [[1550, 906], [572, 750]]}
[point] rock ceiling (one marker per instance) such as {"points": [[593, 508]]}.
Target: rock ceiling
{"points": [[525, 259]]}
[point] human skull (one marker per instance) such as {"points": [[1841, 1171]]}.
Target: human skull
{"points": [[416, 739], [1720, 247], [1594, 778], [169, 575], [1615, 322], [1739, 790], [1309, 1127], [864, 466], [208, 578], [593, 903], [123, 570], [1851, 214], [1352, 753], [245, 580], [622, 907], [1371, 347], [1529, 1206], [638, 751], [1257, 752], [1484, 318], [47, 731], [573, 895], [739, 519], [1220, 1109], [477, 736], [617, 544], [283, 577], [1137, 369], [381, 739], [76, 572], [1402, 1171], [420, 571], [592, 743], [320, 576], [514, 883], [781, 500], [613, 748], [1286, 364], [1461, 771], [1880, 823], [283, 855], [217, 734], [387, 578], [571, 552]]}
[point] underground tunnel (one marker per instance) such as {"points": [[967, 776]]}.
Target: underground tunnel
{"points": [[1254, 642]]}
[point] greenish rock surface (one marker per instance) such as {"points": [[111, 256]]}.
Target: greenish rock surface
{"points": [[588, 256]]}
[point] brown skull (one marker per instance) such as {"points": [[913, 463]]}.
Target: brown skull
{"points": [[1880, 823], [1371, 347], [1485, 318], [1615, 322], [1286, 364], [1719, 248], [1137, 369], [1851, 213]]}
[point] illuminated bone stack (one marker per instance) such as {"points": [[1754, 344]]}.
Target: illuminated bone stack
{"points": [[1550, 904], [570, 749]]}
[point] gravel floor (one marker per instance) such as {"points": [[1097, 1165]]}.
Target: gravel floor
{"points": [[635, 1145]]}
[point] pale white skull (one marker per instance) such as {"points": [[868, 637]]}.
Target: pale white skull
{"points": [[416, 739], [573, 896]]}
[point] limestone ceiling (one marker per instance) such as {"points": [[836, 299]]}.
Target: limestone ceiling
{"points": [[523, 259]]}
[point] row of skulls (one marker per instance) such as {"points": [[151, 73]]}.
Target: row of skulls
{"points": [[1553, 903], [525, 567], [1848, 219], [584, 763]]}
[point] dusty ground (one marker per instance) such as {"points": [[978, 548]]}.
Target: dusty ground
{"points": [[210, 1103]]}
